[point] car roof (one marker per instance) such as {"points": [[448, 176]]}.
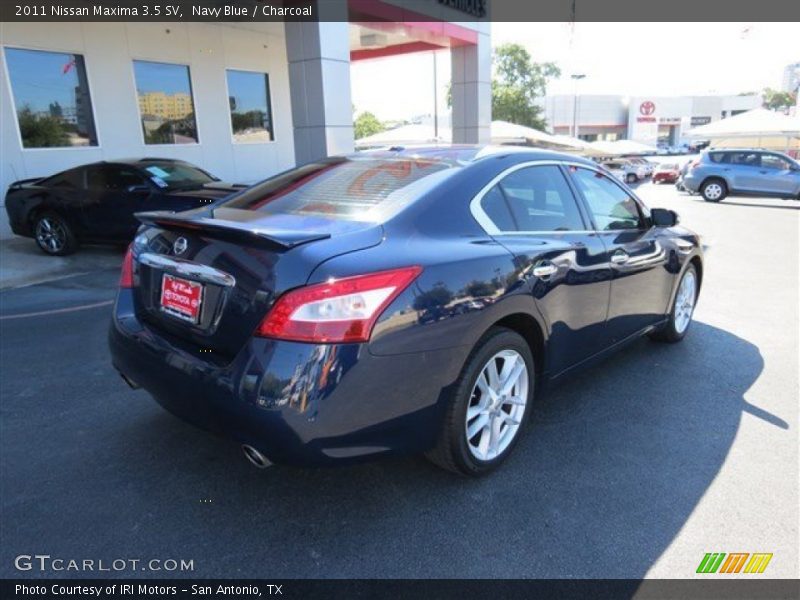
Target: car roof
{"points": [[469, 153]]}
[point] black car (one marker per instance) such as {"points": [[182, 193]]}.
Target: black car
{"points": [[96, 202], [397, 301]]}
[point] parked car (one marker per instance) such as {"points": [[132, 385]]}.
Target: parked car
{"points": [[717, 174], [289, 316], [624, 170], [647, 167], [96, 202], [666, 173]]}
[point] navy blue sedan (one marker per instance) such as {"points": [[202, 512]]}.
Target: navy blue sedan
{"points": [[403, 301]]}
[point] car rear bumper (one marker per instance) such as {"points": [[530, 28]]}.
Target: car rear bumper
{"points": [[669, 178], [691, 182], [303, 404]]}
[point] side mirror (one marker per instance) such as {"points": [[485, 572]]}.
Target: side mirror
{"points": [[662, 217]]}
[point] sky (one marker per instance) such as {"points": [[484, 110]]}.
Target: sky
{"points": [[637, 59]]}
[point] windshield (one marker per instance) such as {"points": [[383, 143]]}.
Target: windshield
{"points": [[668, 167], [354, 189], [174, 176]]}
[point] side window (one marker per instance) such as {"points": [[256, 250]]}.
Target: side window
{"points": [[611, 206], [68, 180], [771, 161], [109, 178], [533, 199], [748, 159]]}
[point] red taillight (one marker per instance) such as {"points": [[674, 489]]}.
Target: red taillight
{"points": [[126, 276], [339, 310]]}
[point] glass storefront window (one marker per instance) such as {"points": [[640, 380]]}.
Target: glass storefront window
{"points": [[251, 113], [51, 98], [166, 105]]}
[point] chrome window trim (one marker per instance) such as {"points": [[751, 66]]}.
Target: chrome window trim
{"points": [[488, 225], [490, 228]]}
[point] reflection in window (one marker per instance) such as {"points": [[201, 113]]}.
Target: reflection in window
{"points": [[165, 103], [251, 114], [610, 205], [51, 97]]}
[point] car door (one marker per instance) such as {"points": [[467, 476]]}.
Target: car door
{"points": [[744, 171], [779, 175], [532, 211], [113, 194], [641, 283]]}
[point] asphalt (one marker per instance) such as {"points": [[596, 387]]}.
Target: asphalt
{"points": [[635, 468]]}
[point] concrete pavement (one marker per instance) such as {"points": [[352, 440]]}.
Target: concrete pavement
{"points": [[22, 263]]}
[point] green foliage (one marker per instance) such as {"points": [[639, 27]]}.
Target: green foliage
{"points": [[255, 119], [367, 124], [517, 83], [169, 131], [777, 100], [40, 131]]}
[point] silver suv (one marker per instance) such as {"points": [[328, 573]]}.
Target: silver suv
{"points": [[720, 173]]}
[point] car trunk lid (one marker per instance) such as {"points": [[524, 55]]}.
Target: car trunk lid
{"points": [[233, 264]]}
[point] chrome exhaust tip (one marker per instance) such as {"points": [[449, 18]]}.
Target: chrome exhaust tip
{"points": [[255, 457], [131, 383]]}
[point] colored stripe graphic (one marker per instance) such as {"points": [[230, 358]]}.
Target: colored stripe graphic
{"points": [[710, 562], [758, 563], [734, 562]]}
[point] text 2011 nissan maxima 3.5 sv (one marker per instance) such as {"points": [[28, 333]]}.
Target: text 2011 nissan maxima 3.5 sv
{"points": [[399, 301]]}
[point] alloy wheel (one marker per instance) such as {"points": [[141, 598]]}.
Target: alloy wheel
{"points": [[497, 405], [684, 301], [51, 235]]}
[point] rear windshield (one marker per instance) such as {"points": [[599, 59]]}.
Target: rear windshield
{"points": [[353, 189]]}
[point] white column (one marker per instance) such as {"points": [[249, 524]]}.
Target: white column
{"points": [[319, 81], [472, 91]]}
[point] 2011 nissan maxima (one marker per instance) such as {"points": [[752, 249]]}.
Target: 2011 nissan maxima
{"points": [[401, 301]]}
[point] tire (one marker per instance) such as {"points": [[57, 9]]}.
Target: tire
{"points": [[53, 234], [713, 190], [631, 178], [476, 456], [675, 329]]}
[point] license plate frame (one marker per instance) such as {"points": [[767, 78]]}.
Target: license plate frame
{"points": [[173, 288]]}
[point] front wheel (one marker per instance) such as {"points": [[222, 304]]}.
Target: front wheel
{"points": [[630, 178], [682, 309], [54, 235], [489, 405]]}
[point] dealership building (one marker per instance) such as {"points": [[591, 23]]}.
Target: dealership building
{"points": [[647, 119], [241, 100]]}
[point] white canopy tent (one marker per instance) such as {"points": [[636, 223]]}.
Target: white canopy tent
{"points": [[758, 128], [622, 147], [405, 135], [502, 132]]}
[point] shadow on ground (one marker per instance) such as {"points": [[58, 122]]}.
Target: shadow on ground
{"points": [[613, 465]]}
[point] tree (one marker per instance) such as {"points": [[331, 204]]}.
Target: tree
{"points": [[777, 100], [367, 124], [40, 131], [517, 83]]}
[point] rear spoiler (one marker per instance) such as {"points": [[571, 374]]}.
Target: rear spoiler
{"points": [[23, 182], [234, 231]]}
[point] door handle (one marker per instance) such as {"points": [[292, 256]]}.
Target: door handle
{"points": [[620, 257], [545, 269]]}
